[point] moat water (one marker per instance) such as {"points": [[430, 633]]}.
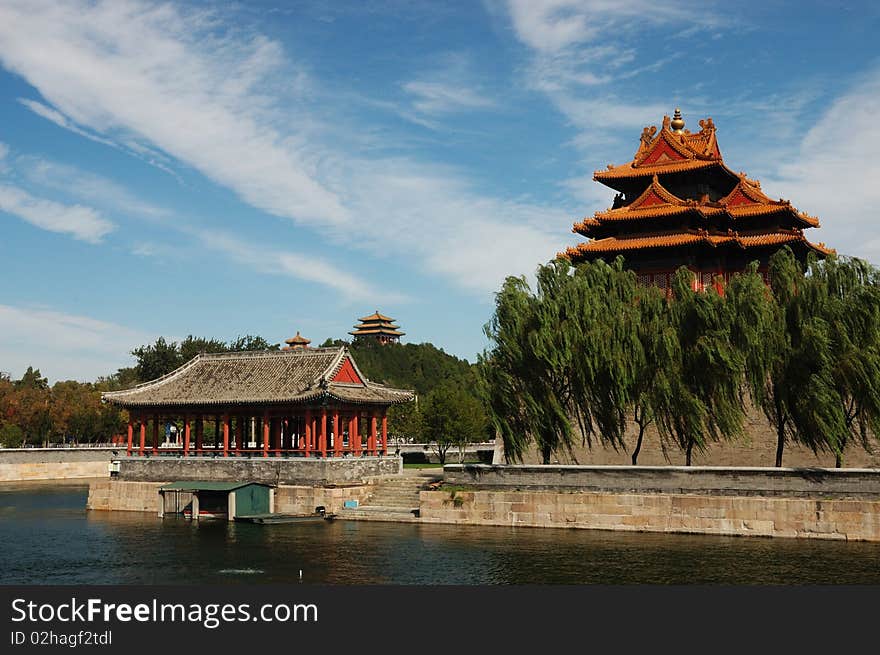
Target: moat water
{"points": [[48, 537]]}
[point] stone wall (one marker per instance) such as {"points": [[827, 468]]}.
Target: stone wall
{"points": [[54, 463], [270, 470], [119, 495], [124, 496], [825, 483], [658, 512], [304, 500], [757, 448]]}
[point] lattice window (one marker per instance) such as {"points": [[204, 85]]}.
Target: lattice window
{"points": [[706, 280], [644, 279]]}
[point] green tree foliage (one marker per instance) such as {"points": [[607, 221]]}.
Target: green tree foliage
{"points": [[418, 366], [162, 357], [450, 417], [705, 403], [156, 360], [573, 358], [590, 348], [844, 293], [249, 343]]}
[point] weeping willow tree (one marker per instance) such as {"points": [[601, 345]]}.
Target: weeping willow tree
{"points": [[844, 292], [705, 402], [799, 398], [590, 348], [652, 385], [525, 377], [562, 360]]}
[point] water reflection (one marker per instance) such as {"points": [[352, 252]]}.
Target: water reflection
{"points": [[47, 537]]}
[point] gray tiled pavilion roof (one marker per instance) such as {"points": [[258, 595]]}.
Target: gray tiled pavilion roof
{"points": [[269, 377]]}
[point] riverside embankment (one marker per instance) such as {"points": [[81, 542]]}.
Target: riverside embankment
{"points": [[20, 464]]}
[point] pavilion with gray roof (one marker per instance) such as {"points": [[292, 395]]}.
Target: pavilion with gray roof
{"points": [[311, 402]]}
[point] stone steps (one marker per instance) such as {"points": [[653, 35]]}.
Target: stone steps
{"points": [[397, 498]]}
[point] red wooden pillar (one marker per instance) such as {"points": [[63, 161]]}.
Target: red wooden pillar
{"points": [[227, 424], [337, 438], [185, 435], [265, 435], [308, 435], [276, 435], [322, 440], [130, 435], [356, 434], [155, 435], [200, 433], [384, 432], [143, 437], [371, 443]]}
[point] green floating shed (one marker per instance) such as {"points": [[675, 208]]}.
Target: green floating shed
{"points": [[200, 499]]}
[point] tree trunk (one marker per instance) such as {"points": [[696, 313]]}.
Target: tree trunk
{"points": [[690, 448], [635, 455], [838, 457], [546, 451], [780, 443]]}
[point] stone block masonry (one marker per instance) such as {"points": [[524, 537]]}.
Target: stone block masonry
{"points": [[735, 481], [269, 470], [855, 520], [18, 464], [119, 495]]}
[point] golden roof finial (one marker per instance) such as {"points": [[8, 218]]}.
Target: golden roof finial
{"points": [[677, 123]]}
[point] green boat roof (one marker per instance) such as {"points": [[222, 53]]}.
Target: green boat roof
{"points": [[207, 485]]}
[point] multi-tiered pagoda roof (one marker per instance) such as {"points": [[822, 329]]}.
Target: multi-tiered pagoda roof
{"points": [[378, 327], [679, 204]]}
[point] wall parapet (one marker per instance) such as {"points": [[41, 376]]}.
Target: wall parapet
{"points": [[852, 520], [270, 470], [738, 481]]}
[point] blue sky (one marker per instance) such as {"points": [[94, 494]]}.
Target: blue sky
{"points": [[224, 169]]}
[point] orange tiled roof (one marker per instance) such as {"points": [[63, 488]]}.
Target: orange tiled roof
{"points": [[376, 316], [670, 151], [689, 237], [745, 200]]}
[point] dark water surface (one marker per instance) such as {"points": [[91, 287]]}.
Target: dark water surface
{"points": [[47, 537]]}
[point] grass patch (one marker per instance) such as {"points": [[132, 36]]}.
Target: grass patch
{"points": [[455, 488], [421, 465]]}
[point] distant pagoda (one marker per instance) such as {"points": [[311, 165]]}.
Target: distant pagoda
{"points": [[297, 343], [377, 327], [679, 205]]}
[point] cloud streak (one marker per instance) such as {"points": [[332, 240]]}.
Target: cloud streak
{"points": [[83, 223], [180, 82], [70, 346], [174, 79]]}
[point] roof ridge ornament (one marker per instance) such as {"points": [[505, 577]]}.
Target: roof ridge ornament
{"points": [[677, 122]]}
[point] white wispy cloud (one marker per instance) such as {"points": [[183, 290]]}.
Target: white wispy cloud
{"points": [[435, 216], [272, 261], [439, 97], [173, 78], [4, 151], [179, 81], [554, 25], [83, 223], [64, 346], [85, 185], [833, 174], [579, 48], [61, 121]]}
